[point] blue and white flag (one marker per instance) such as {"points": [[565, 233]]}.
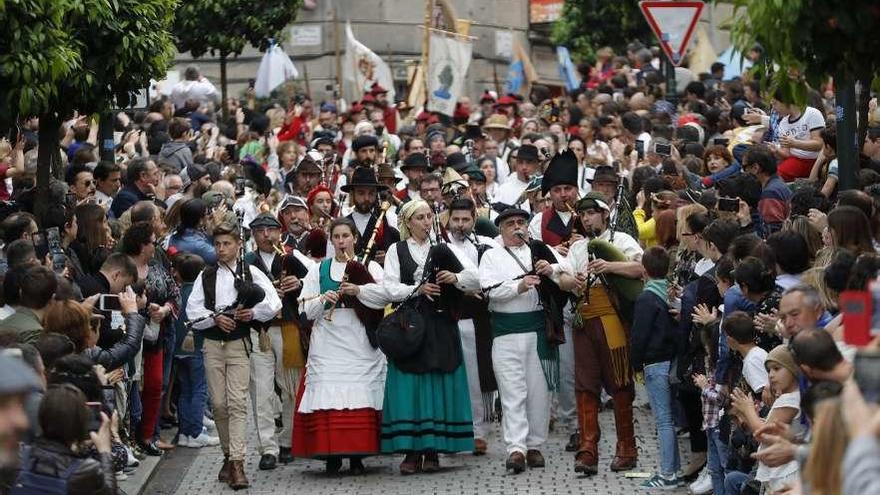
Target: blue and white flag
{"points": [[567, 71]]}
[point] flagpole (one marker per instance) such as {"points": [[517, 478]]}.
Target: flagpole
{"points": [[338, 58], [306, 76], [426, 46]]}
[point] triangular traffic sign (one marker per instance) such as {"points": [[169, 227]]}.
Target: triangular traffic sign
{"points": [[673, 22]]}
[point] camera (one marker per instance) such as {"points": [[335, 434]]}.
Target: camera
{"points": [[728, 204]]}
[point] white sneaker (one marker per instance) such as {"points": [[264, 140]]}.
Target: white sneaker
{"points": [[183, 440], [121, 476], [703, 485], [208, 423], [131, 460], [203, 440]]}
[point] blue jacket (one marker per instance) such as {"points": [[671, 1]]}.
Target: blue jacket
{"points": [[195, 242], [125, 199]]}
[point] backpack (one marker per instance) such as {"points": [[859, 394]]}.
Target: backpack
{"points": [[29, 482]]}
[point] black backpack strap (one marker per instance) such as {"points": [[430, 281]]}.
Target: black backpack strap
{"points": [[209, 287], [407, 264]]}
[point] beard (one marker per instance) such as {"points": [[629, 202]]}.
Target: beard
{"points": [[363, 208]]}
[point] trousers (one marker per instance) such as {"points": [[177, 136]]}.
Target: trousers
{"points": [[267, 373], [525, 397], [227, 370], [469, 352]]}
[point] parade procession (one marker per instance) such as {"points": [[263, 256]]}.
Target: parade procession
{"points": [[512, 246]]}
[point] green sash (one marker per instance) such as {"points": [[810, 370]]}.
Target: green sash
{"points": [[525, 322]]}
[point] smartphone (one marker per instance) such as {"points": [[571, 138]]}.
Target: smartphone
{"points": [[640, 148], [95, 416], [252, 83], [239, 187], [109, 302], [41, 245], [857, 314], [662, 149], [867, 374], [728, 204], [721, 141], [59, 259]]}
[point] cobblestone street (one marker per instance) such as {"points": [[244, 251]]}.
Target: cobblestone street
{"points": [[194, 472]]}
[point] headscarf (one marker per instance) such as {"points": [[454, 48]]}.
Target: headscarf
{"points": [[313, 194], [406, 212]]}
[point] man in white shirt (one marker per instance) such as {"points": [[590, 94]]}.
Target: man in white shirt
{"points": [[526, 364], [193, 87], [215, 310], [473, 325], [512, 189], [364, 189], [601, 346]]}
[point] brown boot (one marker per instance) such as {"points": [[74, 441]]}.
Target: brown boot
{"points": [[587, 459], [626, 454], [535, 459], [223, 475], [516, 463], [237, 479]]}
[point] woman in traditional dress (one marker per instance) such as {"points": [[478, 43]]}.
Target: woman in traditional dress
{"points": [[427, 410], [339, 408]]}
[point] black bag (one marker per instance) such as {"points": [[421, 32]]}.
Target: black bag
{"points": [[400, 334]]}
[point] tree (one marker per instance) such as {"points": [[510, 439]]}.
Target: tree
{"points": [[808, 42], [587, 25], [225, 27], [88, 56]]}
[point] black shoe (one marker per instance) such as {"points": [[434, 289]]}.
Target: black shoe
{"points": [[574, 442], [334, 464], [150, 449], [284, 455], [356, 466], [267, 462]]}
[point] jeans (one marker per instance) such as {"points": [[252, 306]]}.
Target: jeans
{"points": [[717, 459], [660, 397], [193, 394], [734, 481]]}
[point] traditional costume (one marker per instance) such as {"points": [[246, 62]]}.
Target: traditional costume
{"points": [[366, 222], [278, 365], [525, 360], [427, 409], [340, 401], [601, 349], [555, 227]]}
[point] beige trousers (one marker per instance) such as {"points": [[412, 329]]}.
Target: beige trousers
{"points": [[227, 369]]}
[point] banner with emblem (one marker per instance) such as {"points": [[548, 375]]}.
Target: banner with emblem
{"points": [[449, 59], [362, 67]]}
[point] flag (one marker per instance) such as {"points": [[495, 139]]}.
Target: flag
{"points": [[275, 68], [449, 58], [521, 72], [567, 72], [362, 68]]}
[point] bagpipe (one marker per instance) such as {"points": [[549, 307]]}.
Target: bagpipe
{"points": [[622, 291], [357, 273], [553, 298]]}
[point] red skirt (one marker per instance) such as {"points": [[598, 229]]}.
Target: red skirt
{"points": [[334, 432]]}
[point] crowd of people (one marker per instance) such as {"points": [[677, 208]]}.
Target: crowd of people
{"points": [[546, 258]]}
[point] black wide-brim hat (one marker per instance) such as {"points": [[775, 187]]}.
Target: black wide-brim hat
{"points": [[363, 177], [510, 212]]}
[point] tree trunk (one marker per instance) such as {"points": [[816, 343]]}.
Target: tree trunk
{"points": [[847, 154], [223, 85], [864, 98], [48, 161]]}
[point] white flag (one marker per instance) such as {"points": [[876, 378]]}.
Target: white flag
{"points": [[363, 68], [449, 58], [275, 68]]}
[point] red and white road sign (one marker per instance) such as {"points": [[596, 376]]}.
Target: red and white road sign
{"points": [[673, 22]]}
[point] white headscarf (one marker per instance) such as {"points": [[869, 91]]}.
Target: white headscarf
{"points": [[406, 212]]}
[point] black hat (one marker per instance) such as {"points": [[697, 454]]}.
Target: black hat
{"points": [[457, 161], [363, 141], [363, 177], [415, 160], [604, 173], [322, 137], [265, 220], [562, 169], [527, 152], [511, 212]]}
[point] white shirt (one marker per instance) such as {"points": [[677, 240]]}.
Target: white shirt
{"points": [[497, 266], [703, 266], [800, 129], [577, 252], [201, 90], [372, 295], [787, 400], [225, 295], [510, 191], [468, 279], [753, 369], [103, 199], [362, 219], [468, 249]]}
